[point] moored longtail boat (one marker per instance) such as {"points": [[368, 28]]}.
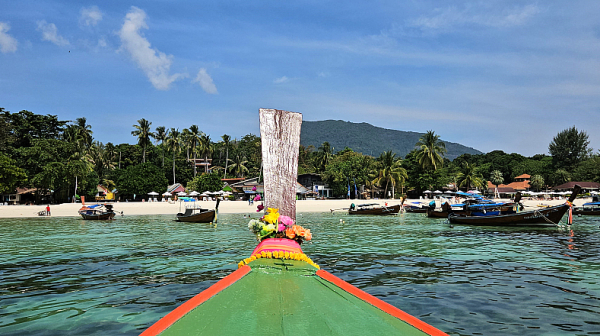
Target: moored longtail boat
{"points": [[279, 290], [97, 212], [543, 217], [374, 209], [199, 215]]}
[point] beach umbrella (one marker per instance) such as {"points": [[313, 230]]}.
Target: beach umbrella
{"points": [[449, 192], [167, 194], [473, 192], [426, 192], [153, 193], [181, 193], [194, 193], [437, 192], [205, 193]]}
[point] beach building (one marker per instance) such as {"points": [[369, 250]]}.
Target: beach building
{"points": [[315, 185], [585, 186], [175, 188], [19, 196]]}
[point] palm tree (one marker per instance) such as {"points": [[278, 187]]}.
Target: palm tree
{"points": [[390, 171], [238, 165], [186, 142], [536, 182], [226, 139], [195, 135], [431, 151], [161, 135], [206, 149], [324, 155], [469, 176], [85, 132], [496, 179], [174, 144], [142, 131]]}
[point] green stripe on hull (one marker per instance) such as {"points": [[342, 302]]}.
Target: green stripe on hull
{"points": [[285, 297]]}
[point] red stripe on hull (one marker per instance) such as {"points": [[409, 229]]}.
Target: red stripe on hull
{"points": [[384, 306], [165, 322]]}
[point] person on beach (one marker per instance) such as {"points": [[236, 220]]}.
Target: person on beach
{"points": [[48, 210]]}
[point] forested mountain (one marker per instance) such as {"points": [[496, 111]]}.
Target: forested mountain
{"points": [[368, 139]]}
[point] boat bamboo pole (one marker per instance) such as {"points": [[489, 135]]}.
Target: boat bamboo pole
{"points": [[280, 139]]}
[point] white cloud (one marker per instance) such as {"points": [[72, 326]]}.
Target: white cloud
{"points": [[7, 42], [281, 80], [50, 33], [206, 83], [154, 63], [90, 16], [453, 17]]}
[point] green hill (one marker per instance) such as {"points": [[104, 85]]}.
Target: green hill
{"points": [[368, 139]]}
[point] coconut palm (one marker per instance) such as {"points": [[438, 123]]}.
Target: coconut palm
{"points": [[161, 135], [389, 171], [195, 135], [237, 166], [324, 155], [496, 179], [85, 132], [430, 154], [206, 148], [186, 142], [174, 144], [536, 182], [469, 177], [226, 140], [142, 131]]}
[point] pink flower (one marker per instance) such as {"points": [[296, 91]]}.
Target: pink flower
{"points": [[280, 227], [285, 220], [259, 208], [257, 198]]}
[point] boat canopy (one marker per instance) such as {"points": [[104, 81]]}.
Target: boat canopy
{"points": [[591, 203], [464, 194]]}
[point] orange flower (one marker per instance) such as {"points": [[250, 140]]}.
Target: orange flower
{"points": [[307, 235], [289, 232]]}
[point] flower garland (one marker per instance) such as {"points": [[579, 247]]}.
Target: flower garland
{"points": [[273, 225], [278, 255]]}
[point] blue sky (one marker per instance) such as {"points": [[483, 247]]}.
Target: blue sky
{"points": [[492, 75]]}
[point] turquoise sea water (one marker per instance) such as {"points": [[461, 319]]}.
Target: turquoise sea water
{"points": [[66, 276]]}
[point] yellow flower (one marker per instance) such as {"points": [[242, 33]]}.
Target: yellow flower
{"points": [[287, 255], [269, 255], [272, 216]]}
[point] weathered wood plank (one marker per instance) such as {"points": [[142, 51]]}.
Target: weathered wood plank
{"points": [[280, 138]]}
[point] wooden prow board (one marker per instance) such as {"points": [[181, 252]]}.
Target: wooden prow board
{"points": [[280, 139]]}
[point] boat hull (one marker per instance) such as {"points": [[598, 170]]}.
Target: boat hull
{"points": [[286, 297], [104, 216], [390, 210], [203, 217], [541, 218]]}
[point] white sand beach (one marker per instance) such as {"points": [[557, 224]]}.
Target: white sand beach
{"points": [[241, 207]]}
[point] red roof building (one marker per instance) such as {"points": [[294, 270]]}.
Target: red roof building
{"points": [[583, 185]]}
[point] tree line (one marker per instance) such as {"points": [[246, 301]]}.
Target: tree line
{"points": [[61, 159]]}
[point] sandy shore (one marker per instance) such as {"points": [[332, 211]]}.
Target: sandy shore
{"points": [[163, 208]]}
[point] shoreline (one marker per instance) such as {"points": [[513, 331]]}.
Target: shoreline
{"points": [[225, 207]]}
